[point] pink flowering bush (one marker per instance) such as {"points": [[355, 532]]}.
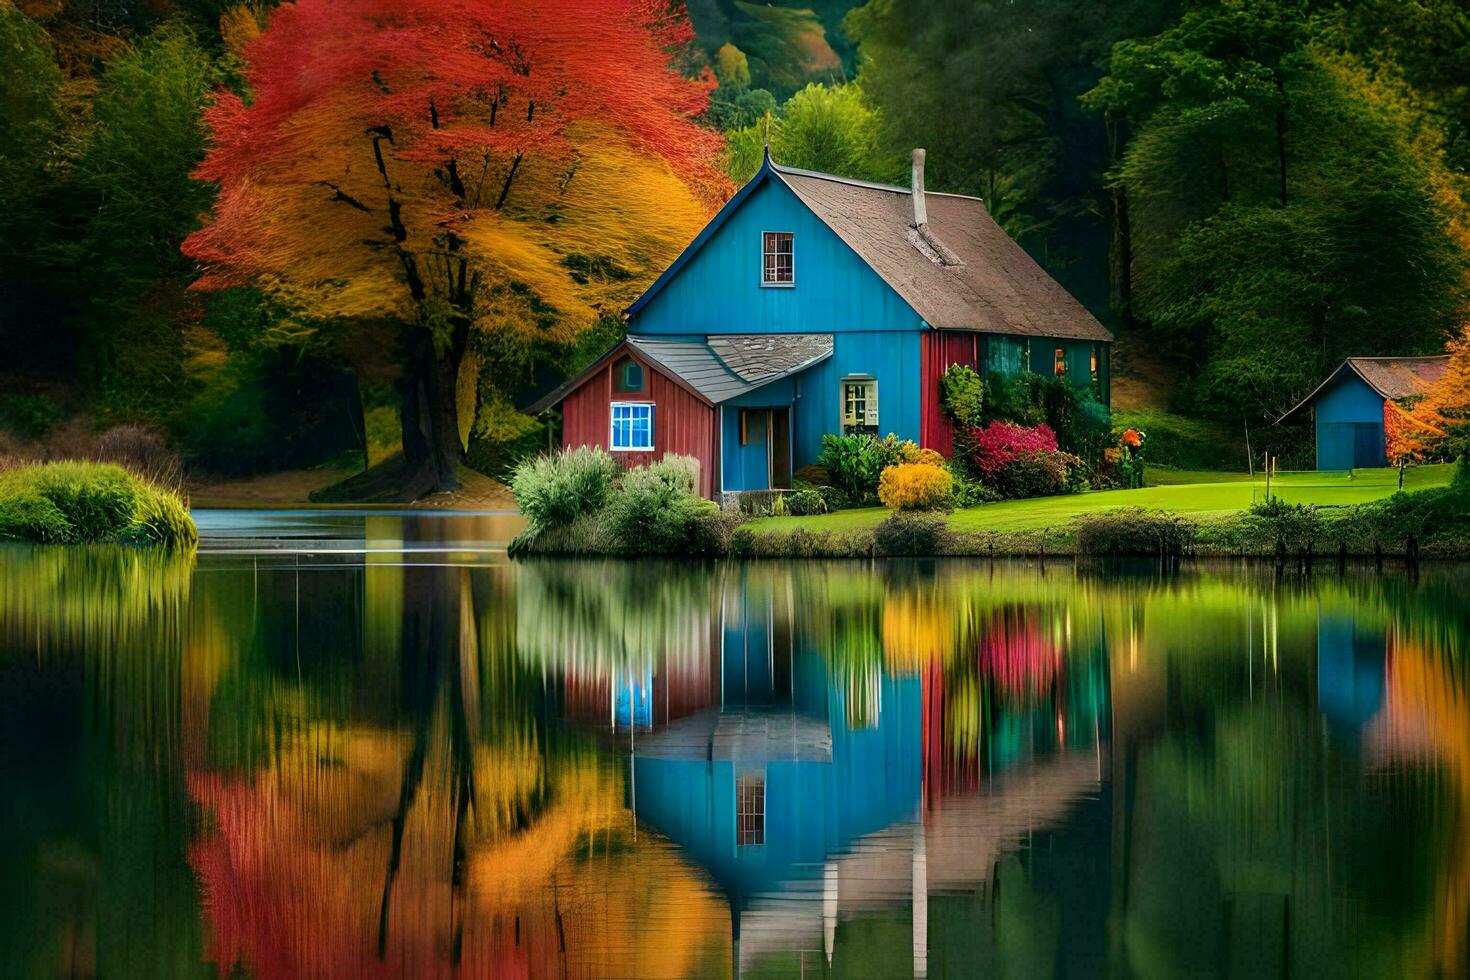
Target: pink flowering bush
{"points": [[1000, 443]]}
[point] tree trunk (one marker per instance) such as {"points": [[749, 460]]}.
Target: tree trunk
{"points": [[1122, 258], [429, 411], [1120, 255]]}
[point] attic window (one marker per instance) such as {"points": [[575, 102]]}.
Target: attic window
{"points": [[629, 376], [777, 266]]}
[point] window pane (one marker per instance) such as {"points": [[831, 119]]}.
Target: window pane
{"points": [[776, 250], [750, 809]]}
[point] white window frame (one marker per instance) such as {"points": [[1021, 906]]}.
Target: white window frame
{"points": [[774, 283], [870, 401], [612, 427]]}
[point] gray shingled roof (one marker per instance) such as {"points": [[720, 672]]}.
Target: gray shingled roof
{"points": [[718, 368], [995, 287], [723, 367], [1391, 377]]}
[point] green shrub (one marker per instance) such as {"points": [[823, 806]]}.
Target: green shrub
{"points": [[656, 511], [906, 534], [1442, 512], [80, 502], [28, 416], [1294, 527], [160, 517], [1135, 531], [857, 462], [968, 492], [1040, 474], [1015, 398], [835, 498], [554, 490], [805, 502], [962, 395]]}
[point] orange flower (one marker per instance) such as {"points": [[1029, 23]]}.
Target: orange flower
{"points": [[1132, 438]]}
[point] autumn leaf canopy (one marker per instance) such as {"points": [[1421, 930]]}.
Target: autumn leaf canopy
{"points": [[394, 153]]}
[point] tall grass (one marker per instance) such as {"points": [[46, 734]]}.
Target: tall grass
{"points": [[85, 502]]}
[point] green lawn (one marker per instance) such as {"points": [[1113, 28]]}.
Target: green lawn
{"points": [[1210, 494]]}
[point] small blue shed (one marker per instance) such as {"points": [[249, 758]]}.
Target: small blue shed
{"points": [[1347, 409]]}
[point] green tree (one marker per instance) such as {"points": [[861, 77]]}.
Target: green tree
{"points": [[991, 90], [822, 127], [30, 117], [133, 174], [1286, 209]]}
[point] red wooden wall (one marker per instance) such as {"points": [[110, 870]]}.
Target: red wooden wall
{"points": [[940, 349], [681, 422]]}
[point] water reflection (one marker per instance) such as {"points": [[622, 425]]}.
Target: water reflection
{"points": [[338, 761]]}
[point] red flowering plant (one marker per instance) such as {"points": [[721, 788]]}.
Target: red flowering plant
{"points": [[1000, 443], [1130, 456]]}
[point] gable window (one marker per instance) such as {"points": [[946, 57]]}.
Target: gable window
{"points": [[750, 809], [628, 376], [777, 267], [859, 404], [632, 426], [1059, 362]]}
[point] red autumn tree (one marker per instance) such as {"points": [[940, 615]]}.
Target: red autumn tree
{"points": [[1435, 424], [448, 167]]}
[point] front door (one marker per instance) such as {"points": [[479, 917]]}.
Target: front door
{"points": [[1368, 444], [780, 443], [764, 452]]}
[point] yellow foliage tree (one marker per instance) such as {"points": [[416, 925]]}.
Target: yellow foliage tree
{"points": [[452, 169]]}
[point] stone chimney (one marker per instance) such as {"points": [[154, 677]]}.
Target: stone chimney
{"points": [[916, 185]]}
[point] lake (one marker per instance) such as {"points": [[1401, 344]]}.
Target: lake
{"points": [[365, 744]]}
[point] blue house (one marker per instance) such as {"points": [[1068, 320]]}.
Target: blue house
{"points": [[1347, 409], [814, 304]]}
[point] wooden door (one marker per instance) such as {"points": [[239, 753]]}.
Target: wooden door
{"points": [[780, 444]]}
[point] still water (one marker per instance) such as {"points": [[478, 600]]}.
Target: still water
{"points": [[360, 745]]}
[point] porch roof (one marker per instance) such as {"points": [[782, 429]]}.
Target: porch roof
{"points": [[716, 368]]}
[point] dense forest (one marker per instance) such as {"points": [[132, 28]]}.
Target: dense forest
{"points": [[286, 235]]}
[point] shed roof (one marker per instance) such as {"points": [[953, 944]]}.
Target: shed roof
{"points": [[1391, 377], [962, 272], [716, 368]]}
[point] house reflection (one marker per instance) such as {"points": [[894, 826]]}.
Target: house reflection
{"points": [[787, 765], [824, 766], [1350, 671]]}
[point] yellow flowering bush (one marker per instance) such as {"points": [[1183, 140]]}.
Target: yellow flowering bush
{"points": [[915, 486]]}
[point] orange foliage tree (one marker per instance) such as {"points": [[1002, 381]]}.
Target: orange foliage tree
{"points": [[1437, 424], [448, 167]]}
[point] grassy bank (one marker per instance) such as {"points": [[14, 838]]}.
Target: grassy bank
{"points": [[1362, 513], [86, 502], [1224, 494]]}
